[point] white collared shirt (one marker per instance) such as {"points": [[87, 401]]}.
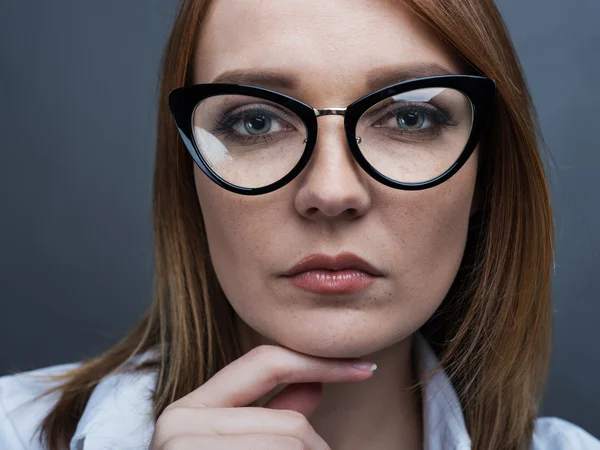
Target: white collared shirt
{"points": [[118, 415]]}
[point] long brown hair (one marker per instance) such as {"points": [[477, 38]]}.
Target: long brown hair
{"points": [[492, 332]]}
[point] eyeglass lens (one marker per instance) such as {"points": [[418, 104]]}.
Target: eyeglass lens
{"points": [[411, 137]]}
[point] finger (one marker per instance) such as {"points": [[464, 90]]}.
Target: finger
{"points": [[180, 421], [262, 369], [249, 442], [301, 397]]}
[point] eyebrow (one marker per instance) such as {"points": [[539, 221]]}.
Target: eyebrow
{"points": [[375, 79]]}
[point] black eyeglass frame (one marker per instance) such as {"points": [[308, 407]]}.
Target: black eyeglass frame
{"points": [[480, 90]]}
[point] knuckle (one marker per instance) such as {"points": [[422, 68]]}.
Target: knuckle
{"points": [[176, 443], [298, 423], [271, 358], [273, 441], [170, 407], [264, 352], [265, 356], [170, 416], [295, 444]]}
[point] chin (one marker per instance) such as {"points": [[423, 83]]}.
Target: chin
{"points": [[350, 335], [335, 350]]}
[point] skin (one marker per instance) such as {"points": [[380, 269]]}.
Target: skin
{"points": [[416, 238]]}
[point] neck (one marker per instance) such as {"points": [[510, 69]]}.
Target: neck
{"points": [[379, 413]]}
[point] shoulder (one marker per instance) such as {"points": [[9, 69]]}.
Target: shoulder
{"points": [[21, 411], [552, 433]]}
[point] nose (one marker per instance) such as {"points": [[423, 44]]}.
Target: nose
{"points": [[333, 185]]}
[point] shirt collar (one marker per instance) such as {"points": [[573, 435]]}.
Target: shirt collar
{"points": [[119, 411], [443, 421]]}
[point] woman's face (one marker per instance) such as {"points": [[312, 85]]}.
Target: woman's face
{"points": [[414, 238]]}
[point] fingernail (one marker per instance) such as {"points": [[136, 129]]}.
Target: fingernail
{"points": [[365, 366]]}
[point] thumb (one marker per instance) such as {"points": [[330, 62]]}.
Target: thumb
{"points": [[301, 397]]}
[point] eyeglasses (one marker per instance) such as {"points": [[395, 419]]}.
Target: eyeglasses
{"points": [[411, 135]]}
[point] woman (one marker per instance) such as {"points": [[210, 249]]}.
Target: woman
{"points": [[413, 231]]}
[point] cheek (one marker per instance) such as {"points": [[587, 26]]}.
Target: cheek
{"points": [[223, 219], [236, 228], [429, 234]]}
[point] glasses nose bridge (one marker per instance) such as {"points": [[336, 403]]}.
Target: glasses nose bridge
{"points": [[330, 112], [333, 112]]}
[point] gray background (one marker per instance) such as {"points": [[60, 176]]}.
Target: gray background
{"points": [[78, 89]]}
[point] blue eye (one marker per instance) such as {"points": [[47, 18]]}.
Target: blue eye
{"points": [[257, 124], [410, 120]]}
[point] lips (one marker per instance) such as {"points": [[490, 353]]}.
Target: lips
{"points": [[343, 261]]}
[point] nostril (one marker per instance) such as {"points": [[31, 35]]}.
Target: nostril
{"points": [[350, 213]]}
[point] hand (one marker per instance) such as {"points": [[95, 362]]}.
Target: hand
{"points": [[214, 417]]}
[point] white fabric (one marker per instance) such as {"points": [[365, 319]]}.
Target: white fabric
{"points": [[118, 414]]}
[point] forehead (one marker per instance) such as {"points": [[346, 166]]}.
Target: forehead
{"points": [[326, 44]]}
